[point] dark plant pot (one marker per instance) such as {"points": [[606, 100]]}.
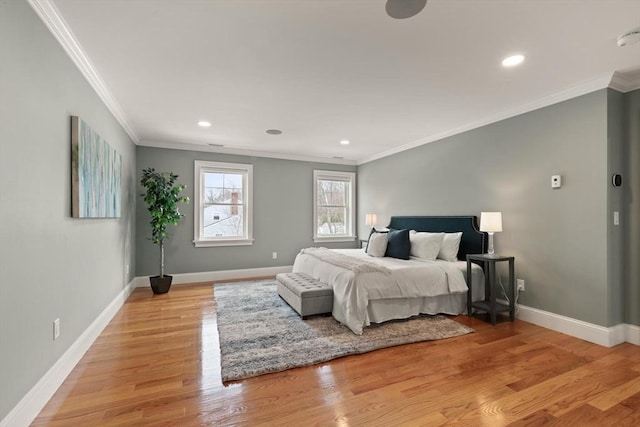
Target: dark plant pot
{"points": [[160, 284]]}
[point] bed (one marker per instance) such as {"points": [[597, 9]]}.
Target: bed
{"points": [[374, 290]]}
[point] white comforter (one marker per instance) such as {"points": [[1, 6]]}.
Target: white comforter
{"points": [[401, 279]]}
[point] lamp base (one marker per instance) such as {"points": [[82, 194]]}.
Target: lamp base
{"points": [[490, 248]]}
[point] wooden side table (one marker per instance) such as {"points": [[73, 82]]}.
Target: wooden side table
{"points": [[489, 303]]}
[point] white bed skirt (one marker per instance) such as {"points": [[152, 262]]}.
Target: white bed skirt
{"points": [[400, 308], [382, 310]]}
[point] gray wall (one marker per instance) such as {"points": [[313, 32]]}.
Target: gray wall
{"points": [[616, 121], [559, 237], [631, 188], [282, 214], [51, 265]]}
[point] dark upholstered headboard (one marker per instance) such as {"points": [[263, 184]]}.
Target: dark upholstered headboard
{"points": [[473, 241]]}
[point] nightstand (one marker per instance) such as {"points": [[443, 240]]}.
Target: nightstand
{"points": [[489, 303]]}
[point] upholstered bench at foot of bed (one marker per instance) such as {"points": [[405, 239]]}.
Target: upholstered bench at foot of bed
{"points": [[305, 294]]}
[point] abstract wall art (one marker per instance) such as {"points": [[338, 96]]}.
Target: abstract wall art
{"points": [[95, 174]]}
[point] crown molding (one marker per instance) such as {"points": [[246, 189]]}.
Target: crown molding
{"points": [[51, 17], [582, 88], [625, 83], [243, 152]]}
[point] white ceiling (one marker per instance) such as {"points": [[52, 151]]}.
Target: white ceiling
{"points": [[327, 70]]}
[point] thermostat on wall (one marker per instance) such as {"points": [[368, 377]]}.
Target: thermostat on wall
{"points": [[556, 181], [616, 180]]}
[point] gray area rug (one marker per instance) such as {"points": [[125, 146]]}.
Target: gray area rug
{"points": [[260, 333]]}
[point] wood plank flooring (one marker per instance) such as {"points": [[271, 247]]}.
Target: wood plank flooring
{"points": [[158, 363]]}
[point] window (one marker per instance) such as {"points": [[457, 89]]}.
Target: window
{"points": [[334, 206], [222, 194]]}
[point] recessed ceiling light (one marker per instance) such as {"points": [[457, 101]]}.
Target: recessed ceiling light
{"points": [[511, 61], [274, 131], [204, 124], [344, 142]]}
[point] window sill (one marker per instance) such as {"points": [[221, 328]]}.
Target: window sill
{"points": [[335, 239], [218, 243]]}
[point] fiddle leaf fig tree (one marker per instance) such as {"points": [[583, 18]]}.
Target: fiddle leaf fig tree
{"points": [[162, 196]]}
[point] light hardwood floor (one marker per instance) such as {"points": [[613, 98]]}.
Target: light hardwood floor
{"points": [[158, 363]]}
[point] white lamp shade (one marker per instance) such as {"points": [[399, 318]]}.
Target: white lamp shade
{"points": [[370, 220], [491, 222]]}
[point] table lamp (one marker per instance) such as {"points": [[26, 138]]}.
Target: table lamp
{"points": [[370, 220], [491, 222]]}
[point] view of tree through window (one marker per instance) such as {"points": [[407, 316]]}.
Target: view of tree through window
{"points": [[222, 209], [332, 207]]}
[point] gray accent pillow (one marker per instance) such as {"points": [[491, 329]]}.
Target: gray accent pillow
{"points": [[398, 245]]}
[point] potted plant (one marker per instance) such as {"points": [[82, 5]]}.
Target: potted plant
{"points": [[162, 196]]}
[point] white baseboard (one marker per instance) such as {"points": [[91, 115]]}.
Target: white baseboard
{"points": [[601, 335], [32, 403], [217, 276], [632, 334]]}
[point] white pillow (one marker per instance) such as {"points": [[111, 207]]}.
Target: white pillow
{"points": [[425, 245], [450, 246], [377, 245]]}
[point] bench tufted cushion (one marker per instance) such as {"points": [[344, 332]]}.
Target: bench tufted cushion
{"points": [[306, 295]]}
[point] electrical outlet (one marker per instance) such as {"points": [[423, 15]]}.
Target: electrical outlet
{"points": [[275, 255], [56, 329], [520, 284]]}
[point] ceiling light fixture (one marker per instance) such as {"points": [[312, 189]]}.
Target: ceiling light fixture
{"points": [[204, 124], [402, 9], [512, 61], [344, 142], [274, 131]]}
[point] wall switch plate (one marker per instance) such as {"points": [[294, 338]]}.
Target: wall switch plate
{"points": [[275, 255], [520, 284], [616, 218], [556, 181], [56, 329]]}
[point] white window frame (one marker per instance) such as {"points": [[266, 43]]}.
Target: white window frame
{"points": [[202, 167], [349, 177]]}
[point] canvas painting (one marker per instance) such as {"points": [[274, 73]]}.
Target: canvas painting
{"points": [[95, 174]]}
